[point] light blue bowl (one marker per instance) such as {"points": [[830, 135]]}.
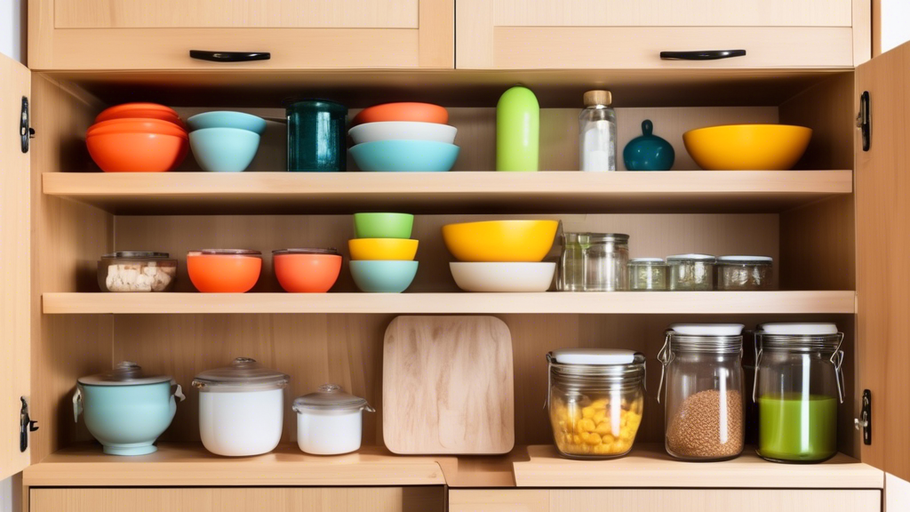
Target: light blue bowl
{"points": [[126, 420], [405, 156], [383, 276], [224, 149], [226, 119]]}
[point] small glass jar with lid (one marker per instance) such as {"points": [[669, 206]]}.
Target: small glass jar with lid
{"points": [[570, 276], [606, 256], [799, 382], [702, 384], [647, 274], [595, 401], [744, 273], [691, 272]]}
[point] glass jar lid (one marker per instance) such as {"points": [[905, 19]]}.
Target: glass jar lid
{"points": [[595, 367], [594, 356], [800, 336], [704, 338], [331, 397], [745, 260], [126, 373], [647, 262], [144, 255], [305, 250], [244, 374], [691, 258], [596, 238], [227, 252]]}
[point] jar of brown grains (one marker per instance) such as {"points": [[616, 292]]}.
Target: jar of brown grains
{"points": [[702, 384]]}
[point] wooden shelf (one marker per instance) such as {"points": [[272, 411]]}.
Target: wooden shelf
{"points": [[186, 465], [783, 302], [649, 466], [490, 192]]}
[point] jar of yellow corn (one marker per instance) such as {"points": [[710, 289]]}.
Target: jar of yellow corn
{"points": [[596, 397]]}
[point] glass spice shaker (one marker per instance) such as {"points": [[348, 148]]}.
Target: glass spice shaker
{"points": [[597, 133]]}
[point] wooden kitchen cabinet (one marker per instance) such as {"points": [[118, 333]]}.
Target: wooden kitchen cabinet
{"points": [[583, 34], [302, 34]]}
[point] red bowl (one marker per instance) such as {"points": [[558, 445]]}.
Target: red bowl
{"points": [[307, 273], [404, 111], [126, 109], [136, 125], [137, 152], [223, 273]]}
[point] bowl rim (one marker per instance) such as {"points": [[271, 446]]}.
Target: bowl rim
{"points": [[503, 221], [749, 125], [386, 141], [209, 130], [246, 115]]}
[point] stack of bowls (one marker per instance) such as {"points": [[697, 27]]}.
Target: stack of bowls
{"points": [[137, 137], [403, 137], [225, 141], [382, 254], [501, 255]]}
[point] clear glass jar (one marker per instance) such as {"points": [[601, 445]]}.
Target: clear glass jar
{"points": [[798, 383], [744, 273], [647, 274], [597, 133], [570, 273], [691, 272], [595, 401], [605, 262], [702, 377], [136, 271]]}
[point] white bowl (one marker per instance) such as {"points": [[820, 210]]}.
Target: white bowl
{"points": [[403, 130], [503, 277]]}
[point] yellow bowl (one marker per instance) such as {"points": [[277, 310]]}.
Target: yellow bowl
{"points": [[746, 147], [500, 240], [400, 249]]}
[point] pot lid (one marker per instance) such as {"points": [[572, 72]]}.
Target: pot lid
{"points": [[305, 250], [243, 372], [799, 329], [145, 255], [330, 396], [595, 356], [746, 260], [708, 329], [228, 252], [607, 237], [706, 258], [647, 261], [126, 373]]}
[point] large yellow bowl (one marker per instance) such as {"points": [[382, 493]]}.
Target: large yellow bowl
{"points": [[500, 240], [747, 147], [400, 249]]}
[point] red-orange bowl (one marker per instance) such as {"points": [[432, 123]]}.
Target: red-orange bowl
{"points": [[129, 109], [225, 272], [306, 272], [137, 152], [136, 125], [404, 111]]}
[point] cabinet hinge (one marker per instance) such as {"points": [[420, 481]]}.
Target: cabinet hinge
{"points": [[26, 132], [864, 120], [864, 421], [26, 425]]}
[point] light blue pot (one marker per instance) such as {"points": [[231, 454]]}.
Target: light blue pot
{"points": [[126, 419]]}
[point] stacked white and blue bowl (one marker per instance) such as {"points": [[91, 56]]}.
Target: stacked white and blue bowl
{"points": [[225, 141]]}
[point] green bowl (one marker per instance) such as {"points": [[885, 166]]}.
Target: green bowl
{"points": [[383, 225]]}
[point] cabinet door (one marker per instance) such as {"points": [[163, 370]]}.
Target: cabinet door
{"points": [[15, 267], [882, 249], [611, 34], [255, 499], [301, 34]]}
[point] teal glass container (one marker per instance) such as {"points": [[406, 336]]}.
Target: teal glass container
{"points": [[126, 410], [317, 141], [648, 152], [517, 130]]}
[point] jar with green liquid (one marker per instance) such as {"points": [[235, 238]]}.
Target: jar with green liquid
{"points": [[798, 384]]}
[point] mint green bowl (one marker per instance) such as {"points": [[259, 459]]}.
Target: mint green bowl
{"points": [[224, 149], [405, 156], [383, 225], [383, 276]]}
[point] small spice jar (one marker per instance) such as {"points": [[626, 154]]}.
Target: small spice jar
{"points": [[798, 383], [595, 400], [691, 272], [744, 273], [702, 381], [647, 274]]}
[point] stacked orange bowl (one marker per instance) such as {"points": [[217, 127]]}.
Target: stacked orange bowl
{"points": [[137, 137]]}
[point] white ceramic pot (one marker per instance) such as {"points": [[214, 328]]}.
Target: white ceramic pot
{"points": [[330, 421], [241, 408]]}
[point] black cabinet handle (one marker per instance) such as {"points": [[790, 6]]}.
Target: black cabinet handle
{"points": [[229, 56], [702, 55]]}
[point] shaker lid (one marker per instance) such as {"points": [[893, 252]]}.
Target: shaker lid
{"points": [[745, 260], [598, 97], [126, 373], [706, 258], [595, 356], [799, 329], [330, 396], [244, 372], [708, 329]]}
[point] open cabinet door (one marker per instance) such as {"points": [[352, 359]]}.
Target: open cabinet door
{"points": [[15, 266], [883, 258]]}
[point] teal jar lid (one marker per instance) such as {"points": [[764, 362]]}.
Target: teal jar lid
{"points": [[648, 152]]}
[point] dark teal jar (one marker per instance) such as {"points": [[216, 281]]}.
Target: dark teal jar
{"points": [[648, 152], [317, 141]]}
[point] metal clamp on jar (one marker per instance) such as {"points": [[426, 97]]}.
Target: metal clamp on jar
{"points": [[595, 401], [703, 400], [798, 383]]}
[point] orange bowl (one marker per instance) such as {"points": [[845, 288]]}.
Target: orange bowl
{"points": [[136, 125], [306, 272], [224, 271], [405, 111], [153, 110], [137, 152]]}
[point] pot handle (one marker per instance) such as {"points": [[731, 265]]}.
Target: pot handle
{"points": [[178, 393], [77, 404]]}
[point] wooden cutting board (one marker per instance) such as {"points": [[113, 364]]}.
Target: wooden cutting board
{"points": [[447, 386]]}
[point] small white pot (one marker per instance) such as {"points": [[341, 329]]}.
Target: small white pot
{"points": [[330, 421]]}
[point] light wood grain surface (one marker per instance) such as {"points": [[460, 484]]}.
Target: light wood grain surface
{"points": [[448, 386]]}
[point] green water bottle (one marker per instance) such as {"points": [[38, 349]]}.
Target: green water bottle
{"points": [[517, 130]]}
